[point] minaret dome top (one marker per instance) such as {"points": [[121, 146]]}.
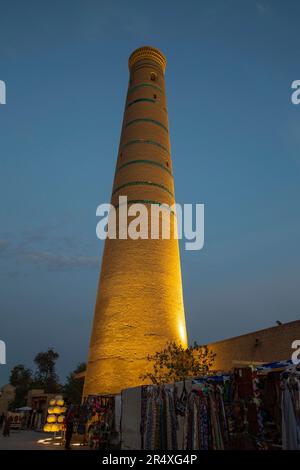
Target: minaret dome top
{"points": [[147, 52]]}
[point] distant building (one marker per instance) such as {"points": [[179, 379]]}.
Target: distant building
{"points": [[38, 400]]}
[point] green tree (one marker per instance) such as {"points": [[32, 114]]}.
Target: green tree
{"points": [[21, 379], [73, 387], [45, 376], [175, 363]]}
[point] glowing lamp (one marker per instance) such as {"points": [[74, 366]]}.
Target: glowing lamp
{"points": [[55, 427], [51, 419]]}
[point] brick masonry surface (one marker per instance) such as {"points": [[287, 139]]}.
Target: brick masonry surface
{"points": [[268, 345]]}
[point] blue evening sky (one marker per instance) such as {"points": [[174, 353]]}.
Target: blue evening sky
{"points": [[235, 145]]}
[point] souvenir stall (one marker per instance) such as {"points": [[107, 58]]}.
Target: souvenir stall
{"points": [[250, 408], [279, 385], [290, 386], [206, 424], [148, 417], [98, 421], [187, 415]]}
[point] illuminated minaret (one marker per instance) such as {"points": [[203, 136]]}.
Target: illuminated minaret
{"points": [[139, 306]]}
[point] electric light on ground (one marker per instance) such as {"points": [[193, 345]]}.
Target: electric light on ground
{"points": [[49, 441]]}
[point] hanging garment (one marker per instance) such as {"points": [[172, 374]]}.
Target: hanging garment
{"points": [[290, 421]]}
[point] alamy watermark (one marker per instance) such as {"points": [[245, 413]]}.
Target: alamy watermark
{"points": [[295, 96], [149, 220], [296, 354], [2, 92], [2, 352]]}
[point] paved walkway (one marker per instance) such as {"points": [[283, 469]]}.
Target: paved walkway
{"points": [[28, 440]]}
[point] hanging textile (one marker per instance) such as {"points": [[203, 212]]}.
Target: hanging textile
{"points": [[206, 425], [251, 408], [158, 418], [290, 411]]}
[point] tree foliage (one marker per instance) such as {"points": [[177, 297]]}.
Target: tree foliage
{"points": [[175, 363], [73, 387], [45, 376], [21, 379]]}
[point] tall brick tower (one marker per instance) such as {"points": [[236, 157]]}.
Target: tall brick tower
{"points": [[139, 306]]}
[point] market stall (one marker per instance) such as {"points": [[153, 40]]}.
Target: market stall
{"points": [[249, 408], [98, 421]]}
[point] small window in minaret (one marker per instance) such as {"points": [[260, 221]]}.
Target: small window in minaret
{"points": [[154, 96], [121, 155], [167, 164], [153, 76]]}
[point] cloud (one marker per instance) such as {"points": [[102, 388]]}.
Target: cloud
{"points": [[262, 8], [44, 247], [44, 234], [61, 262], [13, 274]]}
